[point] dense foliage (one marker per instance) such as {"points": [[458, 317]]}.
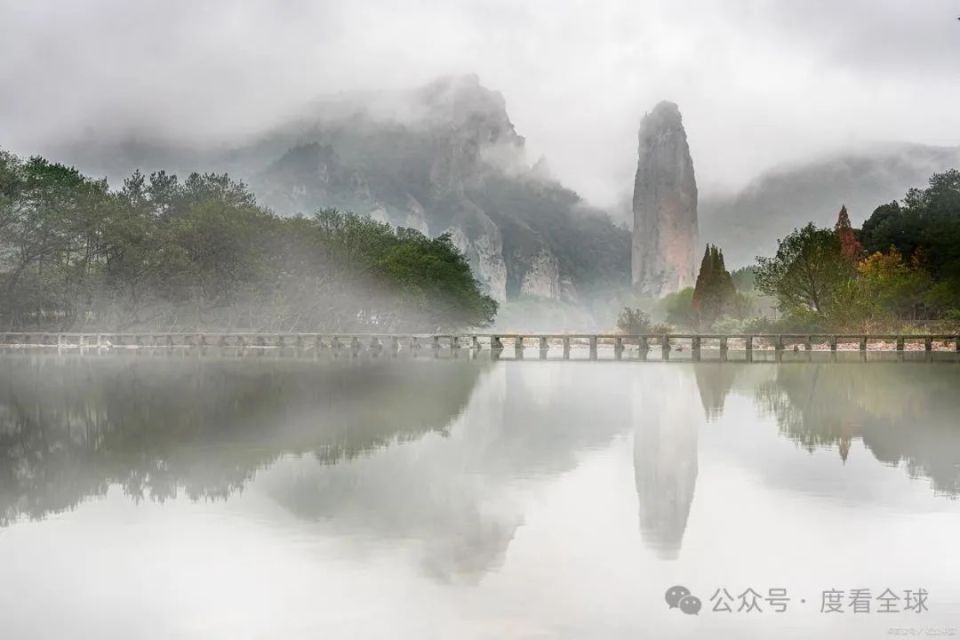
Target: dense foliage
{"points": [[902, 267], [808, 273], [161, 252], [720, 301], [925, 229], [714, 293], [633, 321]]}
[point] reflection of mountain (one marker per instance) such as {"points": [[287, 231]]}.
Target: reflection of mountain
{"points": [[902, 412], [666, 427], [450, 500], [423, 453], [69, 428]]}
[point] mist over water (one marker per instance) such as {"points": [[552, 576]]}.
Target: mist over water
{"points": [[259, 263], [438, 498]]}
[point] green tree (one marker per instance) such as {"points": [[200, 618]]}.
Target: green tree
{"points": [[633, 321], [714, 292], [928, 221], [161, 252], [807, 273], [925, 227], [678, 308]]}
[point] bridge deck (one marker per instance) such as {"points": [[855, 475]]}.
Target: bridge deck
{"points": [[641, 343]]}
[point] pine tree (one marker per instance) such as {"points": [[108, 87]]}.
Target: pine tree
{"points": [[727, 290], [849, 245], [714, 290]]}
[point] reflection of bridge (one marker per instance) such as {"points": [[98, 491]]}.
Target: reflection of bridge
{"points": [[641, 344]]}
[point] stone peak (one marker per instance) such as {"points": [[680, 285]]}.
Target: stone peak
{"points": [[463, 92], [664, 115]]}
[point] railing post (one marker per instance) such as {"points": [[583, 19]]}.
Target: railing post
{"points": [[928, 344], [863, 343], [833, 343], [618, 347], [778, 344], [723, 347], [956, 344], [436, 343], [518, 346], [643, 347], [566, 347], [665, 347], [476, 342], [695, 347], [808, 343], [748, 344], [496, 343], [454, 342], [900, 342], [593, 347]]}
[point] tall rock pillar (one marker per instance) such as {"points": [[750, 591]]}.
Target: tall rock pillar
{"points": [[664, 206]]}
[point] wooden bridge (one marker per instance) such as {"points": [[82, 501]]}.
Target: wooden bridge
{"points": [[561, 343]]}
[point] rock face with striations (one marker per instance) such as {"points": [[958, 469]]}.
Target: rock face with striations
{"points": [[664, 206], [446, 159], [443, 158]]}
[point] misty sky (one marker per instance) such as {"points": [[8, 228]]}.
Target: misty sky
{"points": [[759, 82]]}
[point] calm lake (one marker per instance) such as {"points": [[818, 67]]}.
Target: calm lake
{"points": [[260, 497]]}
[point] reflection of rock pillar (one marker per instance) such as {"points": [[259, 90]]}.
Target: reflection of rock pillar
{"points": [[666, 425]]}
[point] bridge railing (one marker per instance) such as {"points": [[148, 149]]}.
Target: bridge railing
{"points": [[497, 342]]}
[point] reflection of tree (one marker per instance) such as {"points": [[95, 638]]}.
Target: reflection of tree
{"points": [[666, 427], [714, 382], [69, 428], [903, 412]]}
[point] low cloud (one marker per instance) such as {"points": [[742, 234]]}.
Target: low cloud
{"points": [[759, 83]]}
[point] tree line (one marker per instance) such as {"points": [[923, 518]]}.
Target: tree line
{"points": [[161, 252], [901, 267]]}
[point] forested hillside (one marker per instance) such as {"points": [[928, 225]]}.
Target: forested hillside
{"points": [[202, 252]]}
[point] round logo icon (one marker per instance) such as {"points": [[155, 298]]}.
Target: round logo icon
{"points": [[675, 594], [690, 605]]}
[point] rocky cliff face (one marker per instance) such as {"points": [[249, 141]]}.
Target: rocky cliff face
{"points": [[664, 206], [451, 163], [443, 158]]}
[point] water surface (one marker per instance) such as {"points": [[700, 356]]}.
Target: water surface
{"points": [[210, 497]]}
